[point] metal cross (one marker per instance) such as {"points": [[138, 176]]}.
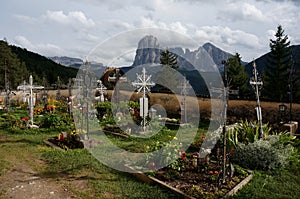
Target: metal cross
{"points": [[143, 84], [256, 83], [115, 79], [185, 87], [58, 84], [101, 88], [30, 87]]}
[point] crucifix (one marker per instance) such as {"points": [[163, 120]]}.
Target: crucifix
{"points": [[30, 87], [256, 83], [58, 85], [224, 96], [185, 87], [115, 79], [184, 91], [143, 84], [101, 89], [45, 94]]}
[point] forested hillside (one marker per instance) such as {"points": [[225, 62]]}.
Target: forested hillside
{"points": [[19, 63]]}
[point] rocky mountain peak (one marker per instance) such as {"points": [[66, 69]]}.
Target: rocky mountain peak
{"points": [[149, 41]]}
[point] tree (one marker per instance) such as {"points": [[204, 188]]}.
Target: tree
{"points": [[168, 58], [10, 65], [167, 78], [276, 73], [237, 77]]}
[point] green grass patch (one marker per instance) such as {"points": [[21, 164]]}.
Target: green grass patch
{"points": [[104, 182]]}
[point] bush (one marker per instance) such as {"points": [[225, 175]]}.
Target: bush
{"points": [[263, 154]]}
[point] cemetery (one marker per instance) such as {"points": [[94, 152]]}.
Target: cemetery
{"points": [[247, 146]]}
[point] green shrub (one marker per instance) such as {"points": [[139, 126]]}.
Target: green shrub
{"points": [[263, 154]]}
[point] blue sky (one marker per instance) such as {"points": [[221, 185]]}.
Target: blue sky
{"points": [[74, 27]]}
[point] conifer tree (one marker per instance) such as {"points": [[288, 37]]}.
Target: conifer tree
{"points": [[168, 58], [167, 78], [237, 77], [276, 73]]}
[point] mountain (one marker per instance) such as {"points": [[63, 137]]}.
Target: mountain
{"points": [[67, 61], [217, 54], [205, 57], [40, 66], [148, 51], [261, 62]]}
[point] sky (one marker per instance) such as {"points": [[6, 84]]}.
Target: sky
{"points": [[74, 27]]}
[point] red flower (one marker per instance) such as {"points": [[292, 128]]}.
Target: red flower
{"points": [[182, 154], [24, 118]]}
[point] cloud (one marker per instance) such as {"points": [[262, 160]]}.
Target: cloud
{"points": [[224, 36], [44, 49], [242, 12], [75, 19]]}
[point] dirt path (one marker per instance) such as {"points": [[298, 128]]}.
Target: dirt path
{"points": [[23, 182]]}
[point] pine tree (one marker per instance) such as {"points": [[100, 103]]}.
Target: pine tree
{"points": [[168, 58], [167, 78], [276, 73], [237, 77]]}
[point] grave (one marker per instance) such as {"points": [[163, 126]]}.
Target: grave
{"points": [[143, 85], [31, 103]]}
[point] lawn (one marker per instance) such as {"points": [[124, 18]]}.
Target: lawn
{"points": [[76, 170], [74, 167]]}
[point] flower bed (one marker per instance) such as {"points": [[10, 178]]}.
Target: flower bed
{"points": [[195, 183], [68, 142]]}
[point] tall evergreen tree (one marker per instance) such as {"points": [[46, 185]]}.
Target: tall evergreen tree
{"points": [[168, 58], [276, 73], [167, 78], [237, 77]]}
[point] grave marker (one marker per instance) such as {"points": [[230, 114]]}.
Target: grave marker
{"points": [[30, 87], [143, 84], [256, 83]]}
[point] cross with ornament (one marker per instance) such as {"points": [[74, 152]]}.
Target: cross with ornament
{"points": [[143, 84]]}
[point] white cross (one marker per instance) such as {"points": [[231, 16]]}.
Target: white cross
{"points": [[185, 86], [143, 83], [257, 84], [30, 87], [101, 88]]}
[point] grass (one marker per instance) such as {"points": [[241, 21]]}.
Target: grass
{"points": [[72, 166], [104, 182], [100, 181]]}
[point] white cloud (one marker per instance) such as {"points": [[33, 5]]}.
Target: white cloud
{"points": [[224, 36], [44, 49], [242, 12], [75, 19]]}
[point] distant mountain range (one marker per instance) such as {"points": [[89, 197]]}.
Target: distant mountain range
{"points": [[148, 52], [206, 56]]}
